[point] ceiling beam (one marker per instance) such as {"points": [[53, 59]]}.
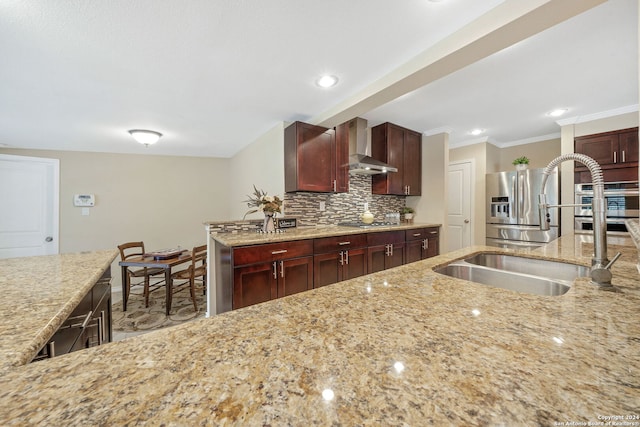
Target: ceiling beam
{"points": [[501, 27]]}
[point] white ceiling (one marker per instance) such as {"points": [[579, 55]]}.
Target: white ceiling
{"points": [[214, 75]]}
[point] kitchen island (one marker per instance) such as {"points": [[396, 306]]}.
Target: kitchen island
{"points": [[38, 294], [404, 346]]}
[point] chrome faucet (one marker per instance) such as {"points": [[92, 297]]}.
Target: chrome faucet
{"points": [[600, 265]]}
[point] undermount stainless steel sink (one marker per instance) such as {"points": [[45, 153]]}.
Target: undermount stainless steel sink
{"points": [[538, 267], [520, 274]]}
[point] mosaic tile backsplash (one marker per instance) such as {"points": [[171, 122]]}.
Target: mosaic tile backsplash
{"points": [[339, 207]]}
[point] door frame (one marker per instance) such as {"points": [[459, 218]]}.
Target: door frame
{"points": [[55, 165], [472, 197]]}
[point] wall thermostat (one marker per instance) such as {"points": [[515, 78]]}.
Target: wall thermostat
{"points": [[84, 200]]}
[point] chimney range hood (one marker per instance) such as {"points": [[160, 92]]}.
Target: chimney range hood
{"points": [[359, 161]]}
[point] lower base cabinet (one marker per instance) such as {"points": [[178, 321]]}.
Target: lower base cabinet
{"points": [[258, 283], [264, 272], [254, 274], [89, 325], [386, 250], [422, 243]]}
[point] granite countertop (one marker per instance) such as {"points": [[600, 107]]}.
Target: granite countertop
{"points": [[404, 346], [300, 233], [38, 294]]}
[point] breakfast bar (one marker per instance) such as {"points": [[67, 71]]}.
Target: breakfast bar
{"points": [[404, 346]]}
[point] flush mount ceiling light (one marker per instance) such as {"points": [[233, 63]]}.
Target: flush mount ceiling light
{"points": [[557, 112], [145, 137], [476, 132], [327, 81]]}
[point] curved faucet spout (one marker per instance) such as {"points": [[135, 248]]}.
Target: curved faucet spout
{"points": [[600, 270]]}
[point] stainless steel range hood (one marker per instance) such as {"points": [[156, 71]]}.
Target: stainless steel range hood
{"points": [[359, 148]]}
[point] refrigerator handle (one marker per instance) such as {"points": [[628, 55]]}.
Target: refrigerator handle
{"points": [[522, 196], [512, 199]]}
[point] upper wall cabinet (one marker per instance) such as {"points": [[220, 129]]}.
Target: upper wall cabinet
{"points": [[401, 148], [316, 158], [616, 152]]}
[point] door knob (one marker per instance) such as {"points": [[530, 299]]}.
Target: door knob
{"points": [[466, 221], [49, 239]]}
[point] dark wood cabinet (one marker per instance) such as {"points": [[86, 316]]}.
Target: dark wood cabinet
{"points": [[616, 152], [422, 243], [253, 274], [401, 148], [316, 158], [89, 325], [339, 258], [265, 272], [385, 250]]}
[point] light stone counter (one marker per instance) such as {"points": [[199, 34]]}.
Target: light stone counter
{"points": [[404, 346], [38, 294], [301, 233]]}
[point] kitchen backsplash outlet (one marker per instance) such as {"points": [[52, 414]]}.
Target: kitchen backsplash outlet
{"points": [[340, 207]]}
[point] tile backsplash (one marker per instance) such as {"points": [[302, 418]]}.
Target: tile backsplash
{"points": [[340, 207]]}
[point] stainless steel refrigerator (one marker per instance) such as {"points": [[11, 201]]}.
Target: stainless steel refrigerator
{"points": [[512, 208]]}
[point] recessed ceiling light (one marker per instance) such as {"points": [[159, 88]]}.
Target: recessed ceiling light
{"points": [[557, 112], [146, 137], [327, 81], [476, 132]]}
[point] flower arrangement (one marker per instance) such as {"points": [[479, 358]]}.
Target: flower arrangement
{"points": [[263, 203], [407, 210]]}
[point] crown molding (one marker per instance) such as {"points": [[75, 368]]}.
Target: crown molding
{"points": [[435, 131], [596, 116]]}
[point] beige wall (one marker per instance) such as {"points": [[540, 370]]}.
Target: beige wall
{"points": [[161, 200], [539, 154], [431, 206], [262, 164]]}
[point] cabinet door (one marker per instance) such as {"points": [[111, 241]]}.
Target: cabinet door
{"points": [[414, 251], [387, 145], [326, 269], [412, 163], [376, 258], [354, 263], [433, 247], [628, 147], [342, 158], [295, 275], [254, 284], [396, 257], [599, 148], [309, 158]]}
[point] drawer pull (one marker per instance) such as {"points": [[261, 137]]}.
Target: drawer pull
{"points": [[433, 232], [282, 251], [343, 243], [417, 234]]}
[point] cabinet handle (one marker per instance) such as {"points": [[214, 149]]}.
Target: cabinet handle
{"points": [[101, 325], [346, 253], [417, 234], [615, 157], [281, 268], [623, 157], [275, 271], [51, 349], [424, 244], [282, 251], [341, 257], [343, 243], [100, 328], [427, 243], [335, 185], [433, 232]]}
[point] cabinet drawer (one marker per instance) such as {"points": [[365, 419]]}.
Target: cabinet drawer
{"points": [[385, 237], [271, 252], [421, 233], [338, 243]]}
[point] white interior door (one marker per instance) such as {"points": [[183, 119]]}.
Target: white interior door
{"points": [[459, 213], [29, 199]]}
